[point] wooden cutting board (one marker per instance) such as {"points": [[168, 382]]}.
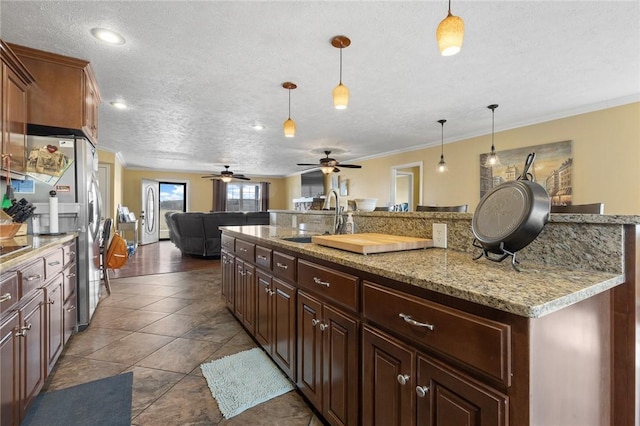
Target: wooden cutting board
{"points": [[368, 243]]}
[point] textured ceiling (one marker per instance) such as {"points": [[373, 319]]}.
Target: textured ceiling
{"points": [[198, 75]]}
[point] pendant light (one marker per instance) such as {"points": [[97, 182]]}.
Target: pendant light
{"points": [[341, 92], [492, 158], [450, 33], [442, 166], [289, 124]]}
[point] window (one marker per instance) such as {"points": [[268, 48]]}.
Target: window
{"points": [[243, 197]]}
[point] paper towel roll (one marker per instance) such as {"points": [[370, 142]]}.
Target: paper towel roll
{"points": [[53, 213]]}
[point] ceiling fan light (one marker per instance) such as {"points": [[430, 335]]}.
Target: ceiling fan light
{"points": [[340, 96], [449, 34], [226, 179], [289, 128], [327, 170]]}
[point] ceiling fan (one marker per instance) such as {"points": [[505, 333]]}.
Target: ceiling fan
{"points": [[226, 175], [328, 165]]}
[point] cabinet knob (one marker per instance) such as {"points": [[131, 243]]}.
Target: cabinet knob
{"points": [[323, 326], [266, 290], [403, 379], [422, 391], [271, 292], [314, 322], [5, 297], [71, 308], [23, 330], [71, 275], [51, 302]]}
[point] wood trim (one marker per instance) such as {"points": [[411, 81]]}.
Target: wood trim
{"points": [[47, 56], [9, 57], [625, 384]]}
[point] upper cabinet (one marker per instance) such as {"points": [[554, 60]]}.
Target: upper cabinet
{"points": [[65, 95], [14, 80]]}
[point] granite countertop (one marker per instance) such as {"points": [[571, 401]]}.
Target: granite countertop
{"points": [[36, 244], [534, 292]]}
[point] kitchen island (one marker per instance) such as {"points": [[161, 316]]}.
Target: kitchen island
{"points": [[433, 334]]}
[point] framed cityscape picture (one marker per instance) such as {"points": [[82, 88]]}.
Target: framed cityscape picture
{"points": [[552, 168]]}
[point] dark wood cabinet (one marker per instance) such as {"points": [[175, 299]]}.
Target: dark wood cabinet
{"points": [[228, 279], [32, 332], [9, 370], [245, 294], [283, 317], [35, 323], [66, 94], [14, 81], [388, 380], [328, 360], [402, 386], [264, 324], [54, 296]]}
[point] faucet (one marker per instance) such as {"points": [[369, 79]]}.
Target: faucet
{"points": [[337, 218]]}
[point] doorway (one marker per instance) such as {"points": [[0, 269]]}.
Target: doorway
{"points": [[406, 184], [173, 198]]}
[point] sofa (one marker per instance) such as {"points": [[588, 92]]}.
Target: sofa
{"points": [[198, 233]]}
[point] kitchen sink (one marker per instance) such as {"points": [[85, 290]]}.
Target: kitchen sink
{"points": [[298, 239]]}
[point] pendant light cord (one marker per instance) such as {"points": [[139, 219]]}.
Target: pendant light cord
{"points": [[442, 140], [493, 130], [341, 65], [289, 90]]}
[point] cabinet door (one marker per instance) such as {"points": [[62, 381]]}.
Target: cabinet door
{"points": [[263, 309], [309, 363], [446, 397], [32, 349], [15, 120], [54, 296], [388, 385], [340, 367], [249, 295], [9, 371], [90, 109], [283, 315], [228, 277], [238, 291], [70, 317]]}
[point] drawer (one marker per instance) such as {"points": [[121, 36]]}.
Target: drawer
{"points": [[478, 342], [53, 262], [228, 243], [32, 276], [284, 266], [336, 286], [263, 257], [245, 250], [69, 284], [69, 253], [9, 293]]}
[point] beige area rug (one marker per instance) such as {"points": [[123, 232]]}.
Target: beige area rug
{"points": [[240, 381]]}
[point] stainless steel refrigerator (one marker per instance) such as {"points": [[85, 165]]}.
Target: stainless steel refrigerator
{"points": [[79, 210]]}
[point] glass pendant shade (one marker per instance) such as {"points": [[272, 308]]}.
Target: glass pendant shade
{"points": [[225, 179], [340, 96], [449, 34], [492, 158], [442, 165], [289, 128], [326, 170]]}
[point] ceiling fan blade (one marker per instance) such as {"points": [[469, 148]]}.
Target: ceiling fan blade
{"points": [[240, 177], [307, 164], [351, 166], [336, 170], [210, 176]]}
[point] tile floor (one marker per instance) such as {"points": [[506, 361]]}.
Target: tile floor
{"points": [[162, 327]]}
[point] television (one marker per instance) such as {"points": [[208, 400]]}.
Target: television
{"points": [[312, 184]]}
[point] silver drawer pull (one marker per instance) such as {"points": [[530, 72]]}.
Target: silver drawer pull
{"points": [[271, 292], [266, 290], [57, 262], [23, 331], [71, 308], [71, 253], [323, 327], [33, 277], [5, 297], [320, 282], [51, 302], [282, 265], [243, 249], [314, 322], [71, 275], [411, 321], [422, 391], [403, 379], [261, 257]]}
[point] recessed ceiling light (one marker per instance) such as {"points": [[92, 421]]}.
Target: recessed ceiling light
{"points": [[258, 127], [107, 36], [118, 104]]}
